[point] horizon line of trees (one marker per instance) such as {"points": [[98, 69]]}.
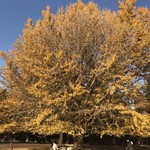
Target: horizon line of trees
{"points": [[81, 71]]}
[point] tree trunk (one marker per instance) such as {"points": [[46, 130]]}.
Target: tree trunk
{"points": [[61, 138]]}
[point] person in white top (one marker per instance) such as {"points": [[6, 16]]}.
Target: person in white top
{"points": [[54, 146], [130, 145]]}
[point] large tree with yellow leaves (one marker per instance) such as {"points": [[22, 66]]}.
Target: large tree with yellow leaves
{"points": [[81, 71]]}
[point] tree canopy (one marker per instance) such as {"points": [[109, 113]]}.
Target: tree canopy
{"points": [[80, 71]]}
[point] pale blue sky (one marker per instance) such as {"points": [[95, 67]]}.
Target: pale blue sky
{"points": [[14, 13]]}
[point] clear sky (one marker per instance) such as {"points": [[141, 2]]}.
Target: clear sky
{"points": [[14, 13]]}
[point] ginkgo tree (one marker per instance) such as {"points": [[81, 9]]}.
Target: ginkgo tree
{"points": [[79, 72]]}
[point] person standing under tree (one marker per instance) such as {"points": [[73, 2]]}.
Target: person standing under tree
{"points": [[130, 145], [11, 146], [54, 146]]}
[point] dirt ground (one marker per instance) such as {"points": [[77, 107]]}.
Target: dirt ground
{"points": [[30, 146], [25, 146]]}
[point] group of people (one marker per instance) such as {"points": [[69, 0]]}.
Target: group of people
{"points": [[55, 147], [129, 146]]}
